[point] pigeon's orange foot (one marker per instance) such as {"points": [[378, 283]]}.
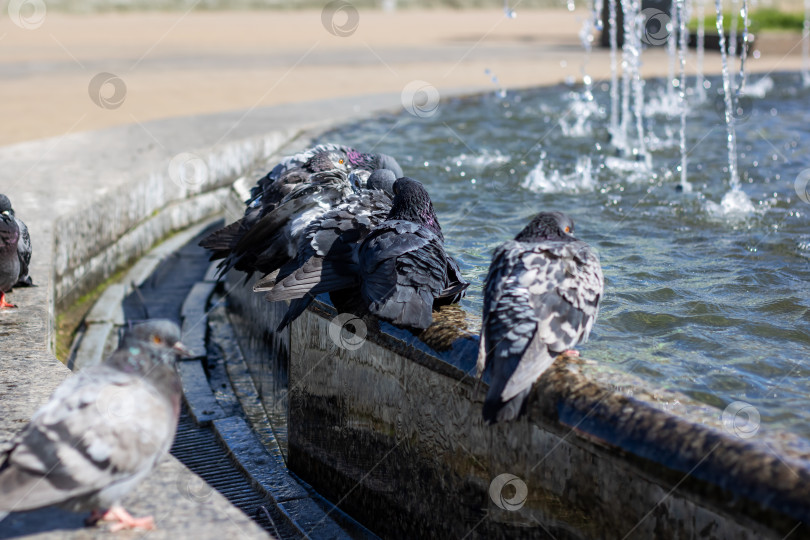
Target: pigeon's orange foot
{"points": [[571, 352], [121, 519], [3, 303]]}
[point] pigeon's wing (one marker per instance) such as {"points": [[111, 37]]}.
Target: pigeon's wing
{"points": [[24, 253], [540, 299], [101, 427], [327, 252], [403, 268]]}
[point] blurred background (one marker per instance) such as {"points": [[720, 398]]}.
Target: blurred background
{"points": [[76, 65]]}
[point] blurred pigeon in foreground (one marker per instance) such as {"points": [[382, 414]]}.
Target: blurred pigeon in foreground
{"points": [[403, 267], [15, 252], [541, 298], [102, 431], [326, 259]]}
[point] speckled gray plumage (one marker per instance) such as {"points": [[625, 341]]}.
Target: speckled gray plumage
{"points": [[541, 297], [271, 241], [323, 157], [327, 259], [23, 248], [102, 430]]}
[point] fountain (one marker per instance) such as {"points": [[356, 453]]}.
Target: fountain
{"points": [[392, 428]]}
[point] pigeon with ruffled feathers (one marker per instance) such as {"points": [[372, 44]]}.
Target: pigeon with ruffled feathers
{"points": [[102, 431], [272, 187], [286, 181], [272, 240], [326, 259], [541, 298]]}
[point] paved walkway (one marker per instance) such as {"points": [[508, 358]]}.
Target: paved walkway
{"points": [[176, 64]]}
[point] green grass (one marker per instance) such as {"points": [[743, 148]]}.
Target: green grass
{"points": [[761, 19]]}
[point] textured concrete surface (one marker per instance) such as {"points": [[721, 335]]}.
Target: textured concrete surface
{"points": [[85, 197]]}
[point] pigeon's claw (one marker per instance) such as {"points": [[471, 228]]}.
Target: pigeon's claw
{"points": [[123, 520], [3, 303], [571, 352]]}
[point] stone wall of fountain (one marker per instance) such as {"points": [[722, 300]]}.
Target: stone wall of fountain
{"points": [[388, 426]]}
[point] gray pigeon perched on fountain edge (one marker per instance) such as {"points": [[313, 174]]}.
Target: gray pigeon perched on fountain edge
{"points": [[541, 298], [102, 431]]}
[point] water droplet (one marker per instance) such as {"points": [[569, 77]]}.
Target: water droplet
{"points": [[757, 53], [707, 85], [472, 180], [571, 6], [427, 164]]}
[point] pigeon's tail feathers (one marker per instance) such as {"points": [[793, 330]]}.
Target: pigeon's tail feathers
{"points": [[297, 307], [26, 282], [267, 282], [511, 384], [221, 241], [496, 410]]}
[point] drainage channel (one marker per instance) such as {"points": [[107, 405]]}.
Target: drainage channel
{"points": [[228, 446]]}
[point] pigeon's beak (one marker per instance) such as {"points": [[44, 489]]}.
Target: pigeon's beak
{"points": [[181, 349]]}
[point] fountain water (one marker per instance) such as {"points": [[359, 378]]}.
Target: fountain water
{"points": [[682, 14], [614, 78], [701, 42], [744, 51], [806, 44]]}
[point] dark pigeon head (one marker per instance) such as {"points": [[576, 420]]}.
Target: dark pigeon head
{"points": [[383, 180], [412, 203], [547, 226], [5, 204], [159, 337]]}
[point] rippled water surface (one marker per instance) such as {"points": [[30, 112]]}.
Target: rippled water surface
{"points": [[709, 302]]}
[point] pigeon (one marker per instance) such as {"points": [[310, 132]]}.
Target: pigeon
{"points": [[288, 178], [541, 298], [23, 245], [326, 251], [102, 431], [15, 252], [403, 267]]}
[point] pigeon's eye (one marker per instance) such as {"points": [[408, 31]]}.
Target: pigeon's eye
{"points": [[568, 229], [156, 340], [340, 161]]}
